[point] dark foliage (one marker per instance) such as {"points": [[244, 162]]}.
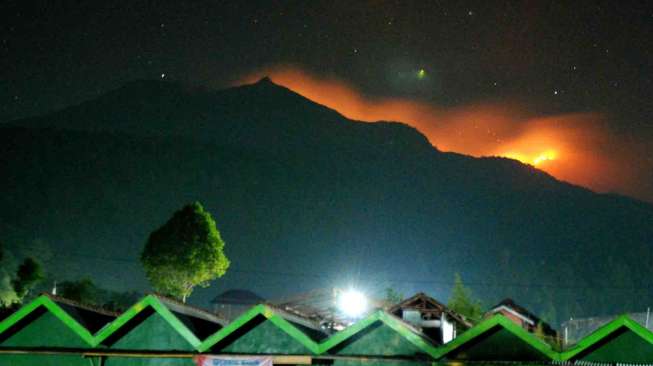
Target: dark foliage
{"points": [[29, 274]]}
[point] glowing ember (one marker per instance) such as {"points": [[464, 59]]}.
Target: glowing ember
{"points": [[544, 157], [535, 160]]}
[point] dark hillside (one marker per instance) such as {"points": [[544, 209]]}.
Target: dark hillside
{"points": [[297, 188]]}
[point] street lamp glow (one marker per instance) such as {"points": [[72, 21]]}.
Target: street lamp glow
{"points": [[353, 303]]}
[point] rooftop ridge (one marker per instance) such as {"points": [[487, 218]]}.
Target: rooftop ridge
{"points": [[216, 316], [296, 318], [96, 309]]}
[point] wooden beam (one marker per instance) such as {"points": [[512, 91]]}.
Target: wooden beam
{"points": [[292, 360]]}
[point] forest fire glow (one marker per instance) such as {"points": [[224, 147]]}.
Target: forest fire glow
{"points": [[537, 160], [571, 147]]}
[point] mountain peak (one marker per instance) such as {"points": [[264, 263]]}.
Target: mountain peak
{"points": [[265, 81]]}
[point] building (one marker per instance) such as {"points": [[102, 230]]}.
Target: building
{"points": [[522, 317], [156, 331], [433, 318]]}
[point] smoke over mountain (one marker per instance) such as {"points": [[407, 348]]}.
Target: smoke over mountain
{"points": [[574, 147]]}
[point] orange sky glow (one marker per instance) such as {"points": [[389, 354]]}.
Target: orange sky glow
{"points": [[571, 147]]}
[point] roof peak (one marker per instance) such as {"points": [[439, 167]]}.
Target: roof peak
{"points": [[69, 302]]}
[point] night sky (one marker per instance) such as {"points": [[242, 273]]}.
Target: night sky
{"points": [[565, 86]]}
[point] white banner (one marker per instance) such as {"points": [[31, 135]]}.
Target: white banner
{"points": [[233, 361]]}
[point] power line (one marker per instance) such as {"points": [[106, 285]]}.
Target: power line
{"points": [[131, 261]]}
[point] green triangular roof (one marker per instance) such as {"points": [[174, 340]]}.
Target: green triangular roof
{"points": [[153, 302], [621, 340], [504, 328], [405, 330], [44, 301], [270, 314]]}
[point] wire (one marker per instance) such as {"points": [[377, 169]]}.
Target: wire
{"points": [[373, 279]]}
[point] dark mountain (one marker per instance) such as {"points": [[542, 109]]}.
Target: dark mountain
{"points": [[306, 198]]}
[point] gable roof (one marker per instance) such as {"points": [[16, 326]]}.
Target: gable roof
{"points": [[288, 323], [488, 325], [181, 318], [604, 332], [427, 304], [515, 309], [518, 309], [92, 318], [75, 316], [410, 333]]}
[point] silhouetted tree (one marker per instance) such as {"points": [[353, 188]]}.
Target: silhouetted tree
{"points": [[7, 294], [29, 274], [463, 302], [392, 296], [119, 301], [83, 291], [185, 252]]}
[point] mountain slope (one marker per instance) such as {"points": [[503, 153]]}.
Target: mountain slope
{"points": [[306, 198]]}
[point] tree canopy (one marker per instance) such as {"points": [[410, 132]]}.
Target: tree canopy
{"points": [[463, 302], [82, 291], [29, 274], [185, 252], [392, 296], [86, 292]]}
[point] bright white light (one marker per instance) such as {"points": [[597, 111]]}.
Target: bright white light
{"points": [[353, 303]]}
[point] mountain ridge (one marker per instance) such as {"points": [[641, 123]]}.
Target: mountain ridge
{"points": [[326, 196], [200, 111]]}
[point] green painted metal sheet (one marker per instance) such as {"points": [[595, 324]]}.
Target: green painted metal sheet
{"points": [[622, 345], [260, 335], [497, 339], [150, 326], [247, 322], [405, 332], [377, 339], [148, 331], [621, 340], [139, 310], [43, 360], [497, 344], [41, 328], [38, 306]]}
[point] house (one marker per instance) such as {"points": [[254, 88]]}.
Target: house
{"points": [[433, 318], [231, 303], [522, 317]]}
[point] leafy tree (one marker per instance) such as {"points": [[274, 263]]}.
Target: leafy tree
{"points": [[7, 293], [392, 296], [29, 274], [463, 302], [83, 291], [185, 252], [86, 292]]}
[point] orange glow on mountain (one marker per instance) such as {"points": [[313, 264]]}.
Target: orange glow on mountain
{"points": [[535, 160], [572, 147]]}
